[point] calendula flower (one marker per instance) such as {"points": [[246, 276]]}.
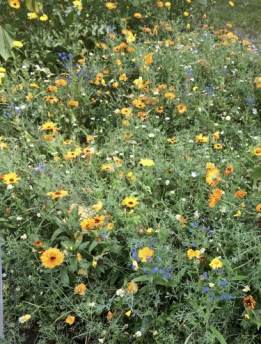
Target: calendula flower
{"points": [[80, 289], [70, 319], [24, 318], [132, 288], [51, 99], [18, 44], [137, 15], [193, 253], [240, 193], [146, 162], [229, 170], [11, 178], [258, 208], [88, 223], [126, 112], [44, 17], [214, 197], [148, 58], [57, 194], [160, 4], [111, 5], [48, 126], [249, 302], [215, 264], [213, 176], [218, 146], [73, 103], [169, 95], [145, 253], [181, 108], [257, 151], [201, 139], [107, 167], [61, 82], [14, 3], [52, 257], [38, 243], [130, 202]]}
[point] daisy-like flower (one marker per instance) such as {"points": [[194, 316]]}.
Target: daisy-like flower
{"points": [[132, 288], [257, 151], [111, 6], [14, 3], [213, 176], [51, 99], [107, 167], [258, 208], [73, 103], [57, 194], [246, 288], [146, 162], [193, 253], [229, 170], [215, 264], [18, 44], [214, 197], [240, 193], [88, 223], [52, 257], [137, 15], [201, 139], [11, 178], [130, 202], [80, 289], [120, 292], [181, 108], [148, 58], [70, 320], [145, 253], [61, 82], [44, 17], [169, 95]]}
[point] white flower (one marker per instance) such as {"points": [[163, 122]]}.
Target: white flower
{"points": [[23, 237], [223, 210], [167, 182], [138, 334], [196, 214], [101, 340], [211, 285], [120, 292], [254, 111], [38, 215], [151, 135], [92, 304], [194, 174], [247, 288], [155, 333], [19, 218], [228, 118], [9, 187]]}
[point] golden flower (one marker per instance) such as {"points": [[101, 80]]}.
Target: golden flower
{"points": [[70, 319], [167, 4], [44, 17], [213, 176], [79, 256], [24, 318], [193, 253], [57, 194], [51, 89], [186, 14], [123, 77], [80, 289], [258, 208], [18, 44], [249, 302], [70, 155], [218, 146], [88, 223], [73, 103], [99, 76], [130, 202], [169, 95], [32, 15], [48, 125], [3, 145], [81, 272], [181, 108], [117, 161], [201, 139], [38, 243], [110, 226], [61, 82], [171, 140], [137, 15], [240, 193], [11, 178], [107, 167], [78, 4], [52, 257], [148, 58], [14, 3], [97, 206], [231, 3], [128, 313], [99, 220], [145, 253], [215, 264], [51, 99], [146, 162], [132, 288], [210, 165], [126, 112], [160, 109], [257, 151], [160, 4], [111, 5], [229, 170], [214, 197]]}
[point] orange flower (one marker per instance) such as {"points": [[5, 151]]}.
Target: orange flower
{"points": [[87, 224], [137, 15], [181, 108], [214, 197], [213, 176], [249, 302], [240, 193], [148, 58], [61, 82], [51, 99], [257, 151], [51, 89], [229, 170], [73, 103], [80, 289], [70, 320], [258, 208], [38, 243], [132, 288]]}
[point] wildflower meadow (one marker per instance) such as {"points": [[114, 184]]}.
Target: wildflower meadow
{"points": [[130, 174]]}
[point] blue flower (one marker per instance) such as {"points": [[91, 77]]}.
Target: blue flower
{"points": [[190, 230], [229, 296], [145, 271], [156, 269], [211, 297], [104, 236], [167, 276], [161, 271], [168, 268], [223, 297], [195, 224], [159, 260], [204, 275], [223, 283], [205, 289]]}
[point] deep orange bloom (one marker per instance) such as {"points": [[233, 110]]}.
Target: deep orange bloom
{"points": [[249, 302], [214, 197], [240, 193]]}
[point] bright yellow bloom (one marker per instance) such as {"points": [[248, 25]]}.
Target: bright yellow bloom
{"points": [[137, 15], [201, 139], [18, 44], [97, 206], [24, 318], [44, 17], [57, 194], [213, 176], [238, 213], [110, 5], [132, 288], [52, 257], [130, 202], [146, 162], [11, 178], [128, 313], [145, 253], [14, 3], [80, 289], [32, 15], [70, 320], [73, 103], [215, 264], [231, 3], [186, 14], [193, 253]]}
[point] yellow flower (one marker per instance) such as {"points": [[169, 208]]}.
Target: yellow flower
{"points": [[70, 320], [167, 4], [213, 176], [246, 316], [97, 206], [61, 82], [11, 178], [57, 194], [128, 313], [130, 202], [201, 139], [231, 3], [193, 253], [181, 108], [78, 4], [24, 318], [110, 5], [44, 17], [215, 264], [148, 58], [32, 15], [14, 3], [135, 265], [160, 4], [52, 257], [149, 231], [73, 103], [48, 125], [186, 14], [80, 289], [146, 162], [18, 44], [238, 213], [145, 253], [132, 288], [137, 15], [94, 263], [107, 167]]}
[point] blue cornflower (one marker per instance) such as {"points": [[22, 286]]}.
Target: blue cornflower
{"points": [[205, 289], [250, 100], [229, 296], [167, 276], [142, 329], [147, 320], [161, 271], [194, 224], [145, 271], [211, 297], [223, 297], [190, 230], [104, 236], [156, 269], [168, 268], [193, 245], [148, 259]]}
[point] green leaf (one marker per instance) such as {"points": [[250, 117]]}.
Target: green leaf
{"points": [[93, 245], [218, 335], [142, 278], [239, 278], [56, 233], [203, 2], [34, 5], [136, 3], [256, 173], [7, 38], [83, 245], [64, 275]]}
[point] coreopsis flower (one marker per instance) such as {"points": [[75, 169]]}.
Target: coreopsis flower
{"points": [[146, 162], [99, 220], [201, 139], [18, 44], [80, 289], [14, 3], [181, 108], [214, 197], [145, 253], [32, 15], [52, 257], [213, 176], [218, 146], [137, 15], [193, 253], [148, 58], [240, 193], [126, 112], [229, 170], [51, 89], [44, 17], [132, 288], [111, 5], [48, 126], [70, 319], [249, 302], [215, 264], [61, 82], [130, 202], [24, 318], [57, 194], [11, 178]]}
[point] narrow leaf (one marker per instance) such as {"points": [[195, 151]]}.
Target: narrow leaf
{"points": [[218, 335]]}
